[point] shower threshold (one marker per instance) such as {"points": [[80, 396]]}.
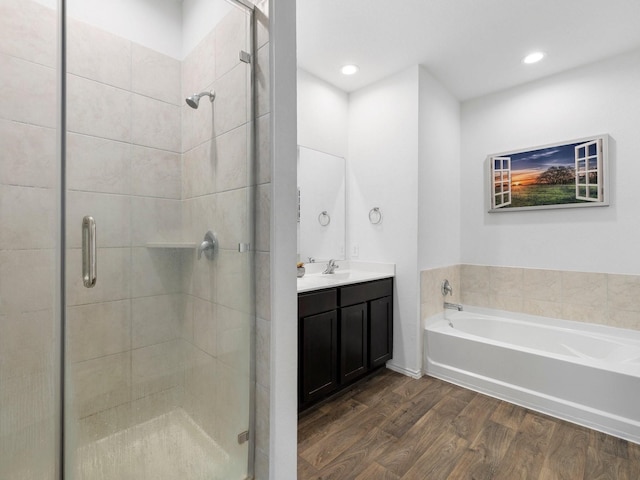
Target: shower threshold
{"points": [[167, 447]]}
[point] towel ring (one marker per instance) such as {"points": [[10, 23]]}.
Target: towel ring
{"points": [[324, 219], [375, 216]]}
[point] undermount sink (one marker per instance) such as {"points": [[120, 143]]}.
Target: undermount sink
{"points": [[333, 277]]}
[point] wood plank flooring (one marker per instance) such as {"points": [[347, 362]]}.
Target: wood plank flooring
{"points": [[392, 427]]}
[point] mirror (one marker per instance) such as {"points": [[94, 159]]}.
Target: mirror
{"points": [[321, 206]]}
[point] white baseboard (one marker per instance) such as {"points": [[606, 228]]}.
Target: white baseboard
{"points": [[405, 371]]}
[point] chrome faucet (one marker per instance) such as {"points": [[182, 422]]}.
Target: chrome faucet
{"points": [[331, 266], [453, 306]]}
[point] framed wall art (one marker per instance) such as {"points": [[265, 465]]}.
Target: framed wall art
{"points": [[561, 175]]}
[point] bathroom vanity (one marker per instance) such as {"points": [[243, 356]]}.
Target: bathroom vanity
{"points": [[345, 331]]}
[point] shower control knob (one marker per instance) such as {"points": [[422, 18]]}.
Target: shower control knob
{"points": [[208, 246]]}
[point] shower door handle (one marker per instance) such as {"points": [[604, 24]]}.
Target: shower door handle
{"points": [[89, 265]]}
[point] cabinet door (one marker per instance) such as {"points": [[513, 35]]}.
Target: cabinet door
{"points": [[380, 331], [353, 342], [318, 354]]}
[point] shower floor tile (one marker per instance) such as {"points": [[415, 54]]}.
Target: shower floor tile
{"points": [[167, 447]]}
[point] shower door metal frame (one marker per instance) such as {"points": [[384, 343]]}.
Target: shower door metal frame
{"points": [[61, 226]]}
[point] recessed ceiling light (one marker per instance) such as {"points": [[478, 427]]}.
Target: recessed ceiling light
{"points": [[533, 57], [349, 69]]}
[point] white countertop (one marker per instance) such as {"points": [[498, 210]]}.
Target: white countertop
{"points": [[348, 272]]}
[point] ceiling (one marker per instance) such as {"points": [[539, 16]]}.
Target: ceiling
{"points": [[473, 47]]}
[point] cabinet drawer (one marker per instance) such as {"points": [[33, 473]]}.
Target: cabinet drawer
{"points": [[317, 302], [361, 292]]}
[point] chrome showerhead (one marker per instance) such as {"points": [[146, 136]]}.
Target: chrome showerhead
{"points": [[194, 100]]}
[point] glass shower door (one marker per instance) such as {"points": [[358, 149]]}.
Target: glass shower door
{"points": [[158, 347]]}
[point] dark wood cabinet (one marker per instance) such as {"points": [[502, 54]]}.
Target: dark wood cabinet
{"points": [[344, 333], [380, 331], [354, 361], [319, 355], [317, 345]]}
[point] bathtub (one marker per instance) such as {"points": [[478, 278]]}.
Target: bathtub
{"points": [[586, 374]]}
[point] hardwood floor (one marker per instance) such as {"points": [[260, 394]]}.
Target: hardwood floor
{"points": [[392, 427]]}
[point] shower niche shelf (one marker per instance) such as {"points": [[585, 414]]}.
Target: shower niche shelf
{"points": [[183, 245]]}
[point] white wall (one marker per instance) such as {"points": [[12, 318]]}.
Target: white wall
{"points": [[600, 98], [383, 172], [322, 115], [283, 345], [439, 175], [197, 18]]}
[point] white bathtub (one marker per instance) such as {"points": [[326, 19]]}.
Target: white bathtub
{"points": [[583, 373]]}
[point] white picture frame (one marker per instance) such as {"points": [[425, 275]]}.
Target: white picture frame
{"points": [[570, 174]]}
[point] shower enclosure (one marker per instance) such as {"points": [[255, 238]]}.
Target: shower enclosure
{"points": [[127, 300]]}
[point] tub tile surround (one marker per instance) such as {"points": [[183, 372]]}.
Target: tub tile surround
{"points": [[431, 299], [604, 298]]}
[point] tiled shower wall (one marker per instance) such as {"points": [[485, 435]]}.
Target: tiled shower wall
{"points": [[216, 176], [608, 299], [28, 323], [124, 169], [215, 188]]}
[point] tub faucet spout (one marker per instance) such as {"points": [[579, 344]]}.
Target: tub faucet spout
{"points": [[453, 306]]}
